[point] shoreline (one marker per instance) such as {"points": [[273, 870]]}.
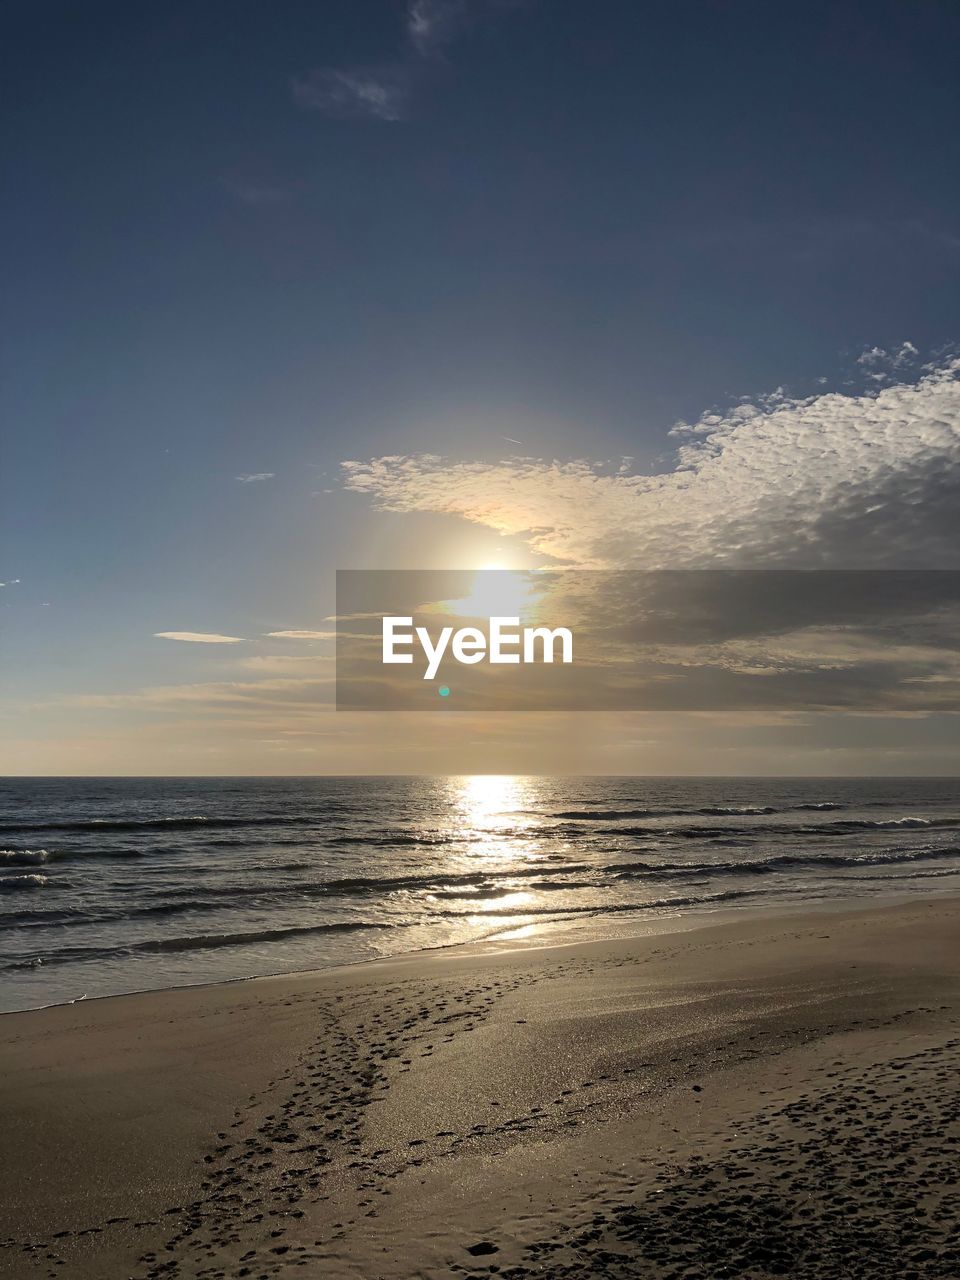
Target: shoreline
{"points": [[696, 918], [382, 1119]]}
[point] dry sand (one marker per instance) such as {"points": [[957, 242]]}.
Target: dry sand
{"points": [[764, 1097]]}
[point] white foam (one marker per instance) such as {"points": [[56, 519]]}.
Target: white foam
{"points": [[24, 857]]}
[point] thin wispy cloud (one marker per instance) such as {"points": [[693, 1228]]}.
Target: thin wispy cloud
{"points": [[385, 92], [225, 695], [302, 635], [380, 93], [259, 195], [198, 637], [254, 477], [305, 662], [831, 480], [431, 24]]}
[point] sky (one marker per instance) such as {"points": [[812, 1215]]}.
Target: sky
{"points": [[444, 284]]}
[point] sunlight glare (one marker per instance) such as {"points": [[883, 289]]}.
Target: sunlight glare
{"points": [[497, 592]]}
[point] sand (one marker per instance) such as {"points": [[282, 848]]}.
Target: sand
{"points": [[761, 1097]]}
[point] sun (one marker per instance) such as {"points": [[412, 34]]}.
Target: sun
{"points": [[497, 591]]}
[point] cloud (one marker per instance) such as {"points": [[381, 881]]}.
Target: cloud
{"points": [[254, 476], [304, 663], [832, 481], [689, 640], [433, 23], [878, 355], [384, 92], [258, 194], [303, 635], [251, 696], [12, 583], [882, 366], [377, 92], [349, 617], [198, 637], [840, 481]]}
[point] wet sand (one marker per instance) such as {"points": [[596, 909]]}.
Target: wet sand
{"points": [[762, 1097]]}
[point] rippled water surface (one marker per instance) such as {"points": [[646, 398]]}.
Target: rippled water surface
{"points": [[110, 885]]}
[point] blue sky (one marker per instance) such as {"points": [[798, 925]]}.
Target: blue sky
{"points": [[263, 240]]}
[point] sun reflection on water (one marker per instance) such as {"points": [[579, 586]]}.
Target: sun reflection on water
{"points": [[494, 815], [490, 802]]}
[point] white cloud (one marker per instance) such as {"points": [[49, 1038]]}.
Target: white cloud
{"points": [[873, 355], [882, 366], [834, 480], [198, 637], [303, 635], [254, 476]]}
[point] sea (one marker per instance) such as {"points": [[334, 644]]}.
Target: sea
{"points": [[112, 885]]}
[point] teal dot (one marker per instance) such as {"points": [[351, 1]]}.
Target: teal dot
{"points": [[444, 691]]}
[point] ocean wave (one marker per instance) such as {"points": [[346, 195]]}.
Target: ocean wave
{"points": [[185, 822], [779, 862], [202, 942], [843, 826], [402, 839], [892, 824], [15, 883], [709, 811], [195, 942], [640, 809], [438, 880], [695, 811], [463, 890], [77, 917], [37, 857], [43, 917], [23, 857], [916, 874], [609, 908], [94, 853], [349, 886]]}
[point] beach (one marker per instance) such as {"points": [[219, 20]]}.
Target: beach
{"points": [[766, 1095]]}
